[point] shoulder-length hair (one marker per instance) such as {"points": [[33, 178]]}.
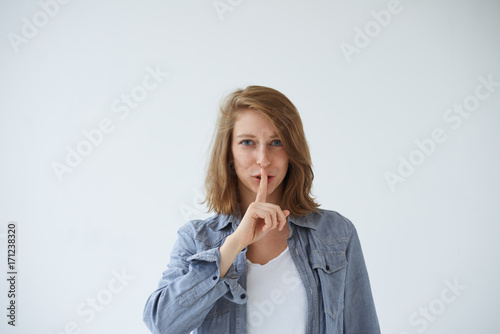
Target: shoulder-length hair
{"points": [[221, 182]]}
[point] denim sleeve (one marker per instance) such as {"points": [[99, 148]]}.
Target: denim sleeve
{"points": [[360, 316], [189, 287]]}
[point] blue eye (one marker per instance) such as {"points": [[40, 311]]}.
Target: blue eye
{"points": [[277, 142], [246, 142]]}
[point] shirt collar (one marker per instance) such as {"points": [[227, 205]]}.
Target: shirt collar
{"points": [[306, 221], [222, 221]]}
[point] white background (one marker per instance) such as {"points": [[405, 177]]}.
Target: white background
{"points": [[119, 209]]}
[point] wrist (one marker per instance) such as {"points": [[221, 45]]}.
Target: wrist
{"points": [[233, 244], [228, 252]]}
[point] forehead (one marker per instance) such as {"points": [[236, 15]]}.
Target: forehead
{"points": [[249, 120]]}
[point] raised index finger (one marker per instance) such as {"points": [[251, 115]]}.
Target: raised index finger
{"points": [[261, 194]]}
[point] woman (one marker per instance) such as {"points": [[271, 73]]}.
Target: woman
{"points": [[269, 261]]}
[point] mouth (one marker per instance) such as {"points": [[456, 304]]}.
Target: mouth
{"points": [[269, 178]]}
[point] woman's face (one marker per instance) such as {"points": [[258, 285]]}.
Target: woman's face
{"points": [[256, 145]]}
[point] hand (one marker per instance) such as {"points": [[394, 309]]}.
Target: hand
{"points": [[260, 217]]}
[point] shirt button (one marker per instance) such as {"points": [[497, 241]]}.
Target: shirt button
{"points": [[214, 278], [243, 296]]}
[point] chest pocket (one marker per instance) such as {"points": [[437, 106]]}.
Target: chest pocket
{"points": [[330, 269]]}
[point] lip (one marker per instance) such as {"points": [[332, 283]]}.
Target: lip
{"points": [[269, 178]]}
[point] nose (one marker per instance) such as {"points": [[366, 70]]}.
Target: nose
{"points": [[263, 158]]}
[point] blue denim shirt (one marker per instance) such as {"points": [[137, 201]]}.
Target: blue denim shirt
{"points": [[325, 249]]}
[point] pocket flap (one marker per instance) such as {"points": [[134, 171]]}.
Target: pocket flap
{"points": [[328, 261]]}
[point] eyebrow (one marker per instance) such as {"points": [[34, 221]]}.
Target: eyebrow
{"points": [[247, 135]]}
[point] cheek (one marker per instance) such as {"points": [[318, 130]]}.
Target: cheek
{"points": [[239, 165], [283, 161], [242, 160]]}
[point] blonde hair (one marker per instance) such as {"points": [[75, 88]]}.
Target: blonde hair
{"points": [[221, 182]]}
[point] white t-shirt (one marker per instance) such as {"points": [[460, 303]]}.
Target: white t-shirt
{"points": [[277, 301]]}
